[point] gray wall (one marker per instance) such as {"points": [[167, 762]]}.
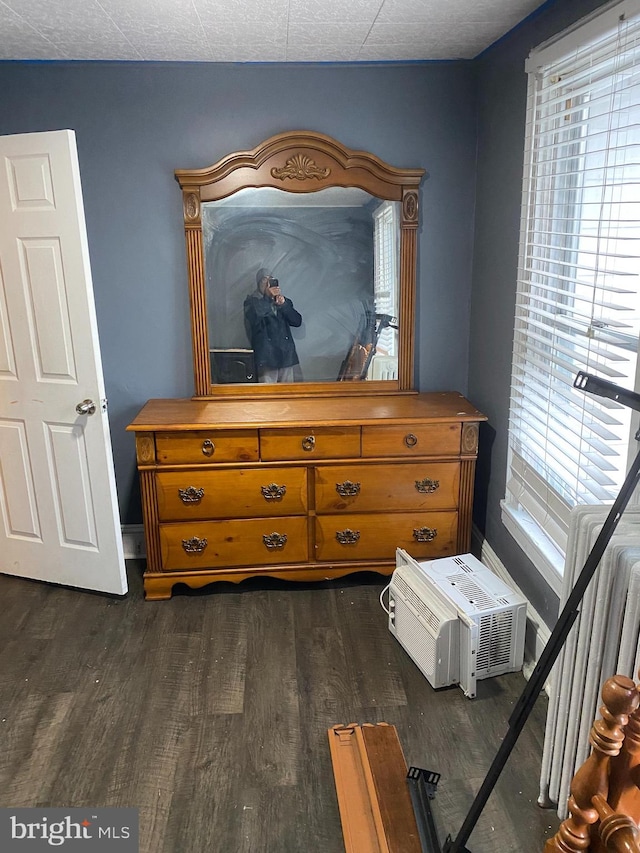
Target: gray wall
{"points": [[501, 101], [136, 123]]}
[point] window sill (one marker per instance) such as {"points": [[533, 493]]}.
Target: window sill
{"points": [[538, 548]]}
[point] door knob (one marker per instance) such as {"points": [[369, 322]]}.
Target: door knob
{"points": [[86, 407]]}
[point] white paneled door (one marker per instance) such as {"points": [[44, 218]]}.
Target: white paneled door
{"points": [[58, 509]]}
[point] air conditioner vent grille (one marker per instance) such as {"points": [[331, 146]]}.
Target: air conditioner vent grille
{"points": [[494, 642], [474, 593], [417, 642], [417, 603]]}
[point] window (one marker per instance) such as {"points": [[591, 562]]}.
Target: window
{"points": [[385, 275], [578, 295]]}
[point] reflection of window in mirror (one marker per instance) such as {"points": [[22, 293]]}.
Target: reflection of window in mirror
{"points": [[385, 293]]}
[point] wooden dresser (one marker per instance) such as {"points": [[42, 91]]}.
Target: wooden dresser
{"points": [[303, 488]]}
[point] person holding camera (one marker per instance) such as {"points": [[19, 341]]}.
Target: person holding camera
{"points": [[268, 318]]}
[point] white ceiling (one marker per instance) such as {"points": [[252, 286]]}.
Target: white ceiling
{"points": [[255, 30]]}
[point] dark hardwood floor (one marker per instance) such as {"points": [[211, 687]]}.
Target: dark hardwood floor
{"points": [[209, 713]]}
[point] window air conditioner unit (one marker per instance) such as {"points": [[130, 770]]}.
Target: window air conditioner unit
{"points": [[457, 620]]}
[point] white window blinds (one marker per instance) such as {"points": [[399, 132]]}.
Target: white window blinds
{"points": [[577, 304], [385, 273]]}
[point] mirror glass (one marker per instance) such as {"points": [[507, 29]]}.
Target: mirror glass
{"points": [[335, 255]]}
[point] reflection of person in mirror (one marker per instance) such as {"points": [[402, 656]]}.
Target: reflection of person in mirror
{"points": [[268, 318]]}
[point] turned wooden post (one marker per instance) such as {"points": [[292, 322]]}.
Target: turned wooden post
{"points": [[618, 831], [620, 699], [624, 779]]}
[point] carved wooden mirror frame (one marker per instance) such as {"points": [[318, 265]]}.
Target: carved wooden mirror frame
{"points": [[300, 162]]}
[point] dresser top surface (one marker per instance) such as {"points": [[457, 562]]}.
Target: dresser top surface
{"points": [[188, 414]]}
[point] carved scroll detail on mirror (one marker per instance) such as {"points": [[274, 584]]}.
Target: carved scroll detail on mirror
{"points": [[410, 206], [191, 207], [300, 167], [322, 202]]}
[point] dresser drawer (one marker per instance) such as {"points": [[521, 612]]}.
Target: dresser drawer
{"points": [[239, 493], [376, 535], [309, 443], [399, 486], [184, 448], [411, 440], [245, 542]]}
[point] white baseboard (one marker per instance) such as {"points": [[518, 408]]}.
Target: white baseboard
{"points": [[537, 632], [133, 542]]}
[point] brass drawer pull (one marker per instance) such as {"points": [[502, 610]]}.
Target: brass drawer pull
{"points": [[348, 489], [427, 486], [410, 439], [274, 540], [192, 495], [309, 442], [424, 534], [194, 545], [347, 537], [273, 492], [208, 447]]}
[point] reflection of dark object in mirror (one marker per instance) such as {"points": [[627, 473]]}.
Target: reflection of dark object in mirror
{"points": [[353, 368], [232, 365], [356, 365]]}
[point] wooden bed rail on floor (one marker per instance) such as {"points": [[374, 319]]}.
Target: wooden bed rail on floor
{"points": [[370, 773], [604, 805]]}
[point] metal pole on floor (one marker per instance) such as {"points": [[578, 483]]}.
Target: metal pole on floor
{"points": [[552, 649]]}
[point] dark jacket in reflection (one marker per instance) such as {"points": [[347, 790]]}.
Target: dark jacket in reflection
{"points": [[268, 328]]}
